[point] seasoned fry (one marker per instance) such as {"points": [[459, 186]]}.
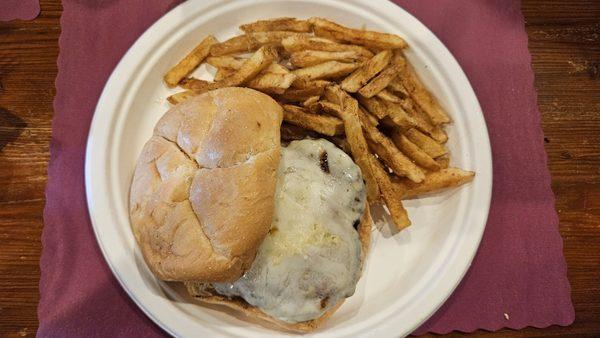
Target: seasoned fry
{"points": [[372, 119], [328, 108], [413, 152], [326, 70], [190, 62], [388, 96], [276, 68], [326, 125], [397, 88], [374, 106], [260, 60], [180, 97], [291, 132], [434, 181], [309, 58], [420, 118], [381, 81], [366, 72], [399, 116], [390, 195], [427, 144], [277, 24], [310, 102], [223, 73], [443, 161], [300, 95], [272, 83], [389, 153], [304, 83], [341, 143], [356, 139], [420, 95], [438, 134], [249, 42], [225, 61], [370, 39], [299, 43]]}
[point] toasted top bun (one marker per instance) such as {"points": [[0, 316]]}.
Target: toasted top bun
{"points": [[202, 196], [206, 294]]}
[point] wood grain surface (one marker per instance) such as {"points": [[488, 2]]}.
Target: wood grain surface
{"points": [[565, 46]]}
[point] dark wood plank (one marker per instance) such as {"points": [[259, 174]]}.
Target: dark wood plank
{"points": [[565, 46]]}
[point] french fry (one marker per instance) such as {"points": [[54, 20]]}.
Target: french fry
{"points": [[299, 43], [291, 132], [388, 96], [260, 60], [249, 42], [341, 143], [420, 95], [278, 24], [369, 39], [300, 95], [398, 115], [366, 72], [389, 153], [180, 97], [310, 102], [413, 152], [276, 68], [225, 61], [390, 195], [303, 83], [356, 139], [419, 117], [443, 161], [397, 88], [328, 108], [427, 144], [434, 181], [223, 73], [372, 119], [309, 58], [272, 83], [326, 125], [381, 81], [438, 134], [189, 62], [326, 70], [374, 105]]}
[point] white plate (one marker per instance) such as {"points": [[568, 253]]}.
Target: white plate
{"points": [[407, 277]]}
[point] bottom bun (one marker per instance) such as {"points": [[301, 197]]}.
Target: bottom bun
{"points": [[206, 294]]}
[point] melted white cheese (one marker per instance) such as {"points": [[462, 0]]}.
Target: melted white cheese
{"points": [[311, 258]]}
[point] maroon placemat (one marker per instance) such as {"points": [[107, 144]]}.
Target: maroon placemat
{"points": [[518, 277], [19, 9]]}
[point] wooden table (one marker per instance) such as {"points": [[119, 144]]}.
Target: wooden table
{"points": [[565, 46]]}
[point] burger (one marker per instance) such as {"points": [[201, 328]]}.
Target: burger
{"points": [[276, 232]]}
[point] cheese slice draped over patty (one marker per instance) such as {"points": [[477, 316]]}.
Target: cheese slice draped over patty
{"points": [[311, 258]]}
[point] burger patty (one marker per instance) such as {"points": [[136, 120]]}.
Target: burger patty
{"points": [[311, 258]]}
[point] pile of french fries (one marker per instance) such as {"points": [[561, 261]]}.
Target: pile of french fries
{"points": [[353, 87]]}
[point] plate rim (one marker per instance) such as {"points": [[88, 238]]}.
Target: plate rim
{"points": [[93, 144]]}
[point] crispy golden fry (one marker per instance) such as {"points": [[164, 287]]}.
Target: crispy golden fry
{"points": [[180, 97], [326, 125], [326, 70], [223, 73], [291, 132], [334, 94], [443, 161], [276, 68], [309, 58], [226, 61], [356, 139], [277, 24], [388, 96], [413, 152], [397, 88], [366, 72], [398, 115], [434, 181], [390, 195], [303, 83], [372, 119], [420, 95], [438, 134], [249, 42], [389, 153], [374, 106], [427, 144], [381, 81], [310, 102], [420, 118], [300, 95], [370, 39], [272, 83], [300, 43], [190, 62], [328, 108], [260, 60]]}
